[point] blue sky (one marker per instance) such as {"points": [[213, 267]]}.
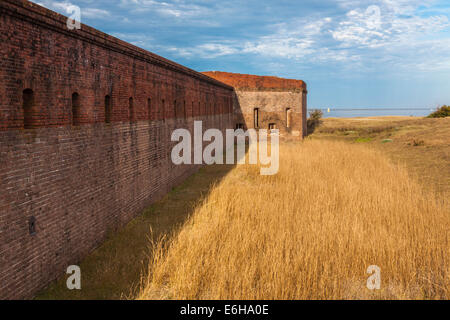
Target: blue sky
{"points": [[387, 53]]}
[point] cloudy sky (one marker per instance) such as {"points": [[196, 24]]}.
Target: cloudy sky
{"points": [[351, 53]]}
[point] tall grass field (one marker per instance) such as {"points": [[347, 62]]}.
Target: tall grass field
{"points": [[309, 232]]}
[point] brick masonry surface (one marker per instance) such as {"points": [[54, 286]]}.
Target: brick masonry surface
{"points": [[85, 127], [74, 163], [280, 103]]}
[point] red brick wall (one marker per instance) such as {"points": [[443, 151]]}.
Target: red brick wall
{"points": [[249, 81], [272, 96], [79, 182]]}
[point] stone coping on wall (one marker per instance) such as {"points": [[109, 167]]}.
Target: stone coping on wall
{"points": [[29, 11], [248, 82]]}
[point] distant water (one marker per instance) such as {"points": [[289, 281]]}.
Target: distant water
{"points": [[374, 112]]}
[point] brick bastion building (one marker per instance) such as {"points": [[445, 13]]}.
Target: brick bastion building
{"points": [[267, 102], [85, 135]]}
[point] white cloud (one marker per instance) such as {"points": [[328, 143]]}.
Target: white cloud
{"points": [[364, 35], [280, 46], [290, 40], [384, 25], [177, 9], [65, 6], [56, 5], [95, 13], [206, 50], [390, 34]]}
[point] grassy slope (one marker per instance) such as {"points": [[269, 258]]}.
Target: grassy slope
{"points": [[113, 271], [422, 145], [309, 232]]}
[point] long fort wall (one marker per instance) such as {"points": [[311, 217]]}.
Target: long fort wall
{"points": [[85, 126]]}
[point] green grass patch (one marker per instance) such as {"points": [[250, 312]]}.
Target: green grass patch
{"points": [[363, 139]]}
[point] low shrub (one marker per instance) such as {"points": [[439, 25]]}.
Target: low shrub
{"points": [[441, 112], [314, 120]]}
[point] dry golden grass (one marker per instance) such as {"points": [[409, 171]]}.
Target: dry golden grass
{"points": [[422, 145], [309, 232]]}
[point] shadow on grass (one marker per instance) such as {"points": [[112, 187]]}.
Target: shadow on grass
{"points": [[114, 270]]}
